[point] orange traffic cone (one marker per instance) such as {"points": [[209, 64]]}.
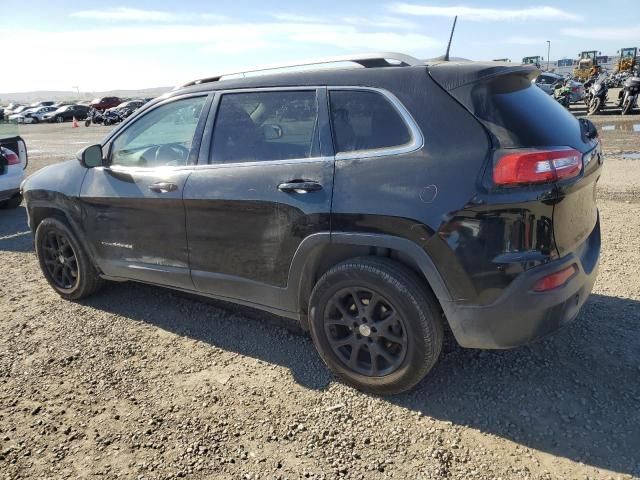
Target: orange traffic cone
{"points": [[74, 124]]}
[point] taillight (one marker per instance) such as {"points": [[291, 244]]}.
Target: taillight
{"points": [[575, 89], [12, 158], [555, 280], [516, 167]]}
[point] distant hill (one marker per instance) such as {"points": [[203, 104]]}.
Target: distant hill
{"points": [[60, 96]]}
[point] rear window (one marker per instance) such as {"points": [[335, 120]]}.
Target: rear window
{"points": [[519, 114], [365, 120]]}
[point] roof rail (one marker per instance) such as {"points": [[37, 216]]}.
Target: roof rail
{"points": [[367, 60]]}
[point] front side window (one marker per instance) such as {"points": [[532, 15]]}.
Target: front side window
{"points": [[365, 120], [264, 126], [162, 137]]}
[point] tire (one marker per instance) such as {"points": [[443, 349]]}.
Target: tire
{"points": [[407, 348], [52, 233], [35, 120], [59, 119], [627, 107], [594, 106], [12, 203]]}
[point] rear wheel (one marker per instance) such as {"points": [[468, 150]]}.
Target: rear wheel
{"points": [[64, 262], [376, 325]]}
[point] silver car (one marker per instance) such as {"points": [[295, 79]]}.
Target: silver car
{"points": [[548, 82]]}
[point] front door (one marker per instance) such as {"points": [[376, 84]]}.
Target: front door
{"points": [[133, 210], [266, 187]]}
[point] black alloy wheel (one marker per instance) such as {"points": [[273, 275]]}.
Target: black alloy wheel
{"points": [[64, 261], [365, 331], [60, 260], [375, 324]]}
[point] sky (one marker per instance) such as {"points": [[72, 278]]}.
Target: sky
{"points": [[98, 45]]}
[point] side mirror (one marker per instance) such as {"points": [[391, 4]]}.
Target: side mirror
{"points": [[272, 131], [91, 156]]}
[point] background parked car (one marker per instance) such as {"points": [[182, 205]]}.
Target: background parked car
{"points": [[46, 103], [129, 105], [13, 161], [577, 91], [105, 102], [17, 112], [547, 81], [66, 113], [36, 115]]}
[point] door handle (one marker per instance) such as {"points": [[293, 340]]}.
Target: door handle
{"points": [[163, 187], [299, 186]]}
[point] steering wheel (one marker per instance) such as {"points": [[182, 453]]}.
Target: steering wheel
{"points": [[174, 152]]}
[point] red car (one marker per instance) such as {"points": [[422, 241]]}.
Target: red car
{"points": [[105, 102]]}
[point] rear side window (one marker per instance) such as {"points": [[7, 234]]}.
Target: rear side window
{"points": [[521, 115], [264, 126], [365, 120]]}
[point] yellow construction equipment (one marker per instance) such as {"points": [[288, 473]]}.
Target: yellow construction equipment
{"points": [[627, 60], [587, 65]]}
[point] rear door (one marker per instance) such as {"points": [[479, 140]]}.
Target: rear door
{"points": [[264, 186], [133, 213]]}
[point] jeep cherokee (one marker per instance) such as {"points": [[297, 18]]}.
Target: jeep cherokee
{"points": [[376, 205]]}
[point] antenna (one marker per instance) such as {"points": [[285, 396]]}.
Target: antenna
{"points": [[446, 55]]}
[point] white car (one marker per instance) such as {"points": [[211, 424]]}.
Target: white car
{"points": [[13, 161], [18, 112], [36, 115]]}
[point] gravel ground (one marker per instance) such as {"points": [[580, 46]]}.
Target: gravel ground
{"points": [[142, 382]]}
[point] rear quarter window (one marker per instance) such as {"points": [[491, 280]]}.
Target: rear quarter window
{"points": [[519, 114], [365, 120]]}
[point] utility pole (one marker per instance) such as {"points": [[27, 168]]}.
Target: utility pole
{"points": [[548, 53]]}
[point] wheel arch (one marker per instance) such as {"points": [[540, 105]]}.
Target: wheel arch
{"points": [[319, 252], [38, 212]]}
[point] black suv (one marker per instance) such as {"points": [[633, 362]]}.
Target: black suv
{"points": [[375, 205]]}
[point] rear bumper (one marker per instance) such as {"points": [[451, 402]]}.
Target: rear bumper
{"points": [[520, 315]]}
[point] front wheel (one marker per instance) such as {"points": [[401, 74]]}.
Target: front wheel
{"points": [[595, 105], [64, 262], [87, 122], [59, 119], [627, 106], [376, 325]]}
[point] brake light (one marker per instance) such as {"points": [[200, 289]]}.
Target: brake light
{"points": [[12, 158], [555, 280], [536, 166]]}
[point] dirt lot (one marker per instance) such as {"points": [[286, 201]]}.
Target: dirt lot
{"points": [[142, 382]]}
